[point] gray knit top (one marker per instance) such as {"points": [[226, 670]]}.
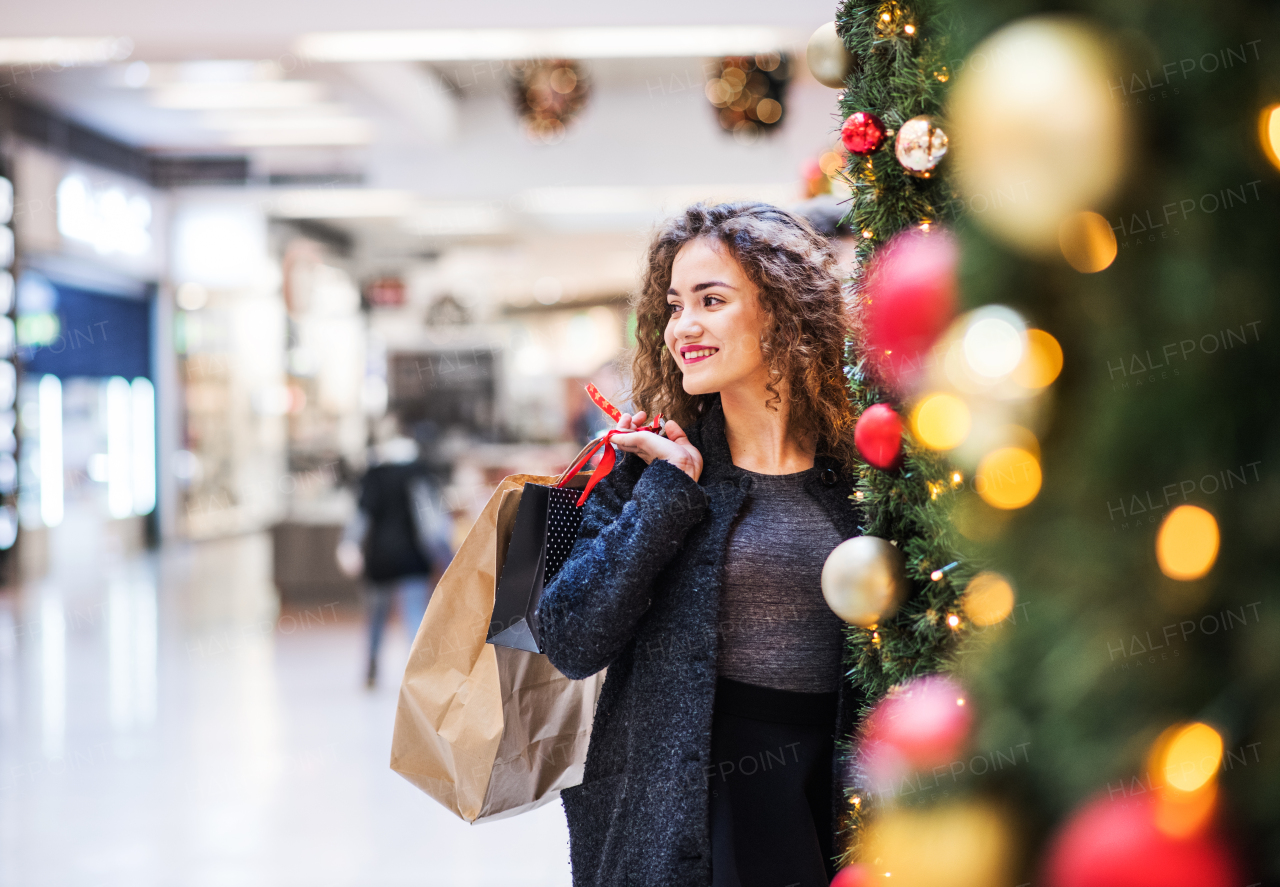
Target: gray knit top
{"points": [[775, 629]]}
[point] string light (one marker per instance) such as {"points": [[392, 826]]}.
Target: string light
{"points": [[866, 233], [953, 620], [910, 29], [890, 21], [937, 574], [959, 700], [957, 480]]}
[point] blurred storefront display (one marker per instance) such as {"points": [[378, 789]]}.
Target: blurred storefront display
{"points": [[90, 258], [229, 329]]}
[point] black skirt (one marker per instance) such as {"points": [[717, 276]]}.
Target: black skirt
{"points": [[771, 762]]}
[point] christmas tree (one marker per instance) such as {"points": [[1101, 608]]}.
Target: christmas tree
{"points": [[1112, 178]]}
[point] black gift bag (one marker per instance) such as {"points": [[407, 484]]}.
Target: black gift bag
{"points": [[546, 526]]}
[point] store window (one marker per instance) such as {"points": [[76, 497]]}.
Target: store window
{"points": [[86, 403]]}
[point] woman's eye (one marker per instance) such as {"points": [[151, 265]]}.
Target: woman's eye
{"points": [[710, 300], [672, 306]]}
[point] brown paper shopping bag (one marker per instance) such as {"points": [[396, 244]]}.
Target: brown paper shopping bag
{"points": [[487, 731]]}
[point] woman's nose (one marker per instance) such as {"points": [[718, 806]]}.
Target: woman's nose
{"points": [[687, 325]]}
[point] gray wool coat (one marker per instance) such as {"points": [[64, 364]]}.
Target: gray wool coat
{"points": [[640, 595]]}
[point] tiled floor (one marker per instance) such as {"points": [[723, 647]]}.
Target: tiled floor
{"points": [[161, 724]]}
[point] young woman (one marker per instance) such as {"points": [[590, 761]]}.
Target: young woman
{"points": [[695, 578]]}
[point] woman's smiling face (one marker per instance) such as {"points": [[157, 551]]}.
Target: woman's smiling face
{"points": [[714, 320]]}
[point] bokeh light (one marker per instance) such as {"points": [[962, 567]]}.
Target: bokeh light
{"points": [[994, 342], [1018, 436], [1187, 544], [1269, 133], [988, 599], [1008, 478], [1186, 757], [831, 162], [941, 421], [1184, 761], [1042, 361], [1087, 241]]}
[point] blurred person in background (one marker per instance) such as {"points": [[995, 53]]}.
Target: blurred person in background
{"points": [[399, 538]]}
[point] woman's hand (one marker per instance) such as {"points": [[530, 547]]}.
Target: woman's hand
{"points": [[674, 448]]}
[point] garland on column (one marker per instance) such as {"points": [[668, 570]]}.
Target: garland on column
{"points": [[894, 80]]}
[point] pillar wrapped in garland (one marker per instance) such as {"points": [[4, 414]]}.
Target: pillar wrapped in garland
{"points": [[1051, 200], [892, 57]]}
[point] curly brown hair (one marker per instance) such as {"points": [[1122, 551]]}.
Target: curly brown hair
{"points": [[792, 266]]}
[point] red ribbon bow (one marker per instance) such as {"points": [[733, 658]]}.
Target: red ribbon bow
{"points": [[609, 457]]}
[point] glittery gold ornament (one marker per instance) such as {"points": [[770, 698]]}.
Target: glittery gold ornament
{"points": [[920, 146], [864, 580], [829, 59], [966, 844]]}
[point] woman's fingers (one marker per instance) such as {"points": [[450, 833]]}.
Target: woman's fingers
{"points": [[632, 421], [676, 449], [686, 455]]}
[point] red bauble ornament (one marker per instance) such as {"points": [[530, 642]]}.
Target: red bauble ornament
{"points": [[911, 298], [922, 725], [1116, 843], [878, 436], [852, 876], [863, 132]]}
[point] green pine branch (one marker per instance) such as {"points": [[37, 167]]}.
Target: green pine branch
{"points": [[899, 73]]}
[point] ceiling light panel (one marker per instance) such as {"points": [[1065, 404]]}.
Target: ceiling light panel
{"points": [[509, 43], [64, 51]]}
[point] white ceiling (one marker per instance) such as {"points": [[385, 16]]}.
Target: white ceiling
{"points": [[438, 144], [162, 29]]}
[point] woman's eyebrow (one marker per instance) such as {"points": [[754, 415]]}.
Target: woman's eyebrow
{"points": [[699, 287]]}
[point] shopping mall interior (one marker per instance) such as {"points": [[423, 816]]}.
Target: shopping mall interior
{"points": [[246, 246]]}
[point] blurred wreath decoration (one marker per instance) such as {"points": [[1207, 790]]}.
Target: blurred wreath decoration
{"points": [[549, 94], [749, 93]]}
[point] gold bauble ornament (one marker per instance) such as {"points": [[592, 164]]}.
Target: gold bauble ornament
{"points": [[829, 59], [864, 580], [967, 844], [1036, 132]]}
